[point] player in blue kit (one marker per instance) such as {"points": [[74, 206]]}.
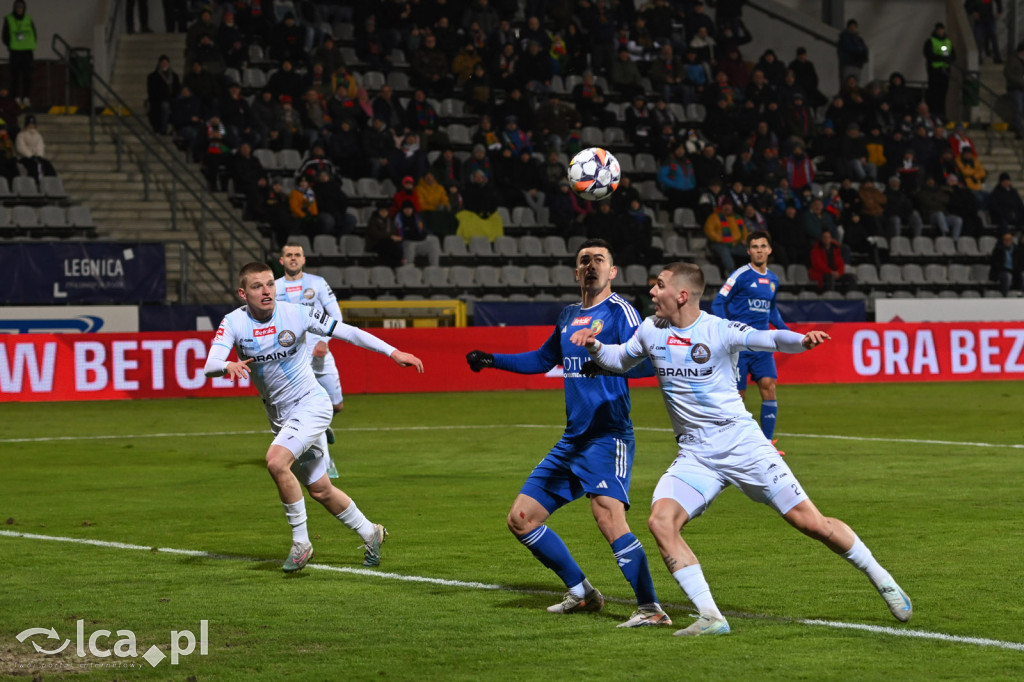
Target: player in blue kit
{"points": [[595, 455], [748, 296]]}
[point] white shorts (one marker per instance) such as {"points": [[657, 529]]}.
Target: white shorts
{"points": [[300, 428], [326, 373], [739, 455]]}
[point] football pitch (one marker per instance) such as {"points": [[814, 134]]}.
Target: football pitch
{"points": [[151, 517]]}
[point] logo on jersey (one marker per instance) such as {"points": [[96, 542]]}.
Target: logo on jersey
{"points": [[597, 326], [264, 332], [308, 294], [700, 354], [581, 321], [763, 280], [772, 285], [691, 372], [292, 290], [220, 331], [726, 288], [677, 341], [286, 338]]}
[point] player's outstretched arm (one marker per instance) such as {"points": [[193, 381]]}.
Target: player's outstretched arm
{"points": [[407, 360], [814, 338], [784, 341]]}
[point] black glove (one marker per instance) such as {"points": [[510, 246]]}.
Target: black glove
{"points": [[478, 360], [591, 369]]}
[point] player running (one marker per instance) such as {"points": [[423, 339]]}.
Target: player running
{"points": [[595, 455], [748, 296], [270, 339], [693, 354], [298, 286]]}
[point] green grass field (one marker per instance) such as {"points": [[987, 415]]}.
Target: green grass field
{"points": [[930, 475]]}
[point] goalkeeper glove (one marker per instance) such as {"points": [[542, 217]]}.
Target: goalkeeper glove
{"points": [[478, 360]]}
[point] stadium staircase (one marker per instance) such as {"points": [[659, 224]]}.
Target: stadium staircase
{"points": [[116, 198]]}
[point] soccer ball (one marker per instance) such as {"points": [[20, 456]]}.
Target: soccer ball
{"points": [[594, 174]]}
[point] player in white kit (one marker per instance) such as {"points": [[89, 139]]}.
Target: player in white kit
{"points": [[270, 340], [694, 356], [298, 286]]}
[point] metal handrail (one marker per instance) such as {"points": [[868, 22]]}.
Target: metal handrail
{"points": [[169, 158], [793, 24], [108, 31]]}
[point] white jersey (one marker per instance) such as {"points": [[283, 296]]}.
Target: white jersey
{"points": [[696, 368], [280, 367], [309, 290]]}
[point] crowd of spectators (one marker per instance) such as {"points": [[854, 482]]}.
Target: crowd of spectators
{"points": [[767, 144]]}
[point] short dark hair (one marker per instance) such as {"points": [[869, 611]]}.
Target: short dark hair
{"points": [[253, 268], [691, 272], [596, 243], [760, 234]]}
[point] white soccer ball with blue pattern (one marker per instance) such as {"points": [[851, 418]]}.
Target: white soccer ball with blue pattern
{"points": [[594, 174]]}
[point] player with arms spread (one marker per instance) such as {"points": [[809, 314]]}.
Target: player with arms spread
{"points": [[298, 286], [595, 455], [748, 296], [694, 354], [270, 337]]}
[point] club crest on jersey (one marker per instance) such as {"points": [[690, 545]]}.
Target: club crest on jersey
{"points": [[308, 294], [597, 326], [772, 285], [581, 321], [264, 332], [678, 341], [286, 338], [700, 354]]}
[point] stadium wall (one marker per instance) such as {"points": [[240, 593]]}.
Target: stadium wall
{"points": [[61, 367]]}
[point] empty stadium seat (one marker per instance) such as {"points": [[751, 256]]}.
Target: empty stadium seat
{"points": [[913, 274], [555, 246], [967, 246], [80, 216], [332, 275], [513, 276], [945, 246], [562, 276], [480, 246], [352, 245], [867, 274], [531, 247], [538, 276], [24, 187], [712, 276], [53, 217], [462, 277], [409, 277], [488, 276], [435, 277], [53, 188], [289, 160], [935, 273], [923, 246], [635, 276], [325, 245], [454, 245], [302, 240], [797, 273], [357, 277], [506, 247]]}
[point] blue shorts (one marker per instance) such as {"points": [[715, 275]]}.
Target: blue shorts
{"points": [[601, 466], [757, 365]]}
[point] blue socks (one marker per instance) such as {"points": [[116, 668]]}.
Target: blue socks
{"points": [[769, 411], [629, 554], [552, 552]]}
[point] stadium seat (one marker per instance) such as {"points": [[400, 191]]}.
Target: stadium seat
{"points": [[979, 273], [506, 247], [959, 274], [522, 216], [626, 164], [398, 58], [435, 277], [645, 163], [900, 247], [232, 75], [855, 295], [325, 245], [695, 112], [945, 246], [53, 217], [267, 159], [399, 81], [936, 274], [712, 276], [458, 134], [635, 276], [798, 274], [344, 31], [890, 274], [513, 276], [256, 53], [948, 293], [53, 188], [25, 187], [488, 276], [538, 276], [573, 244], [531, 247], [986, 244], [352, 245], [454, 246], [357, 277], [867, 274], [615, 136], [289, 160], [913, 274], [564, 277], [462, 278], [555, 246], [302, 240], [80, 216], [779, 271], [923, 247], [676, 246], [808, 295], [649, 191], [967, 246], [332, 275], [253, 79], [452, 108], [480, 246], [374, 80], [409, 277], [969, 293], [592, 136], [685, 217], [369, 188]]}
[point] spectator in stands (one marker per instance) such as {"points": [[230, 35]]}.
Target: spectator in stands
{"points": [[554, 171], [329, 55], [805, 76], [379, 147], [603, 224], [560, 204], [974, 174], [315, 163], [939, 54], [827, 266], [964, 204], [345, 148], [286, 82], [1004, 206], [526, 182], [708, 166], [789, 244], [710, 196], [853, 51], [703, 42], [1013, 73], [624, 196], [1006, 263], [429, 69], [250, 179], [162, 86], [320, 82], [960, 141], [405, 192], [32, 151], [202, 28], [447, 168], [588, 98], [736, 70], [434, 206], [217, 156], [277, 212], [668, 74], [235, 115], [187, 119], [332, 204], [384, 238], [478, 161], [463, 63], [624, 76], [386, 108], [477, 91], [854, 156], [129, 16], [262, 116], [373, 46], [10, 111], [677, 179], [176, 15], [288, 41], [816, 220], [727, 235], [207, 53], [745, 169], [514, 139], [480, 196], [556, 121], [203, 85], [932, 202], [774, 70], [288, 128], [8, 159], [983, 14], [342, 103], [799, 168], [899, 211], [302, 202], [535, 71], [770, 168]]}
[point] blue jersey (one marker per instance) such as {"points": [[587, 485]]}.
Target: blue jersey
{"points": [[597, 406], [749, 297]]}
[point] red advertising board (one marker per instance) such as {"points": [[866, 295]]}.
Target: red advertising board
{"points": [[49, 367]]}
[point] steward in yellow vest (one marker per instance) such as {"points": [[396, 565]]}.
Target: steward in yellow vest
{"points": [[19, 35]]}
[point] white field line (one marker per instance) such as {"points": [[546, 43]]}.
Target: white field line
{"points": [[877, 629], [465, 427]]}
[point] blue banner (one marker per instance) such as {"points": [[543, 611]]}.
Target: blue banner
{"points": [[82, 272]]}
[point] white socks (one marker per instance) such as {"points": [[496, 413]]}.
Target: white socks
{"points": [[296, 513], [691, 580], [578, 590], [860, 556], [354, 519]]}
